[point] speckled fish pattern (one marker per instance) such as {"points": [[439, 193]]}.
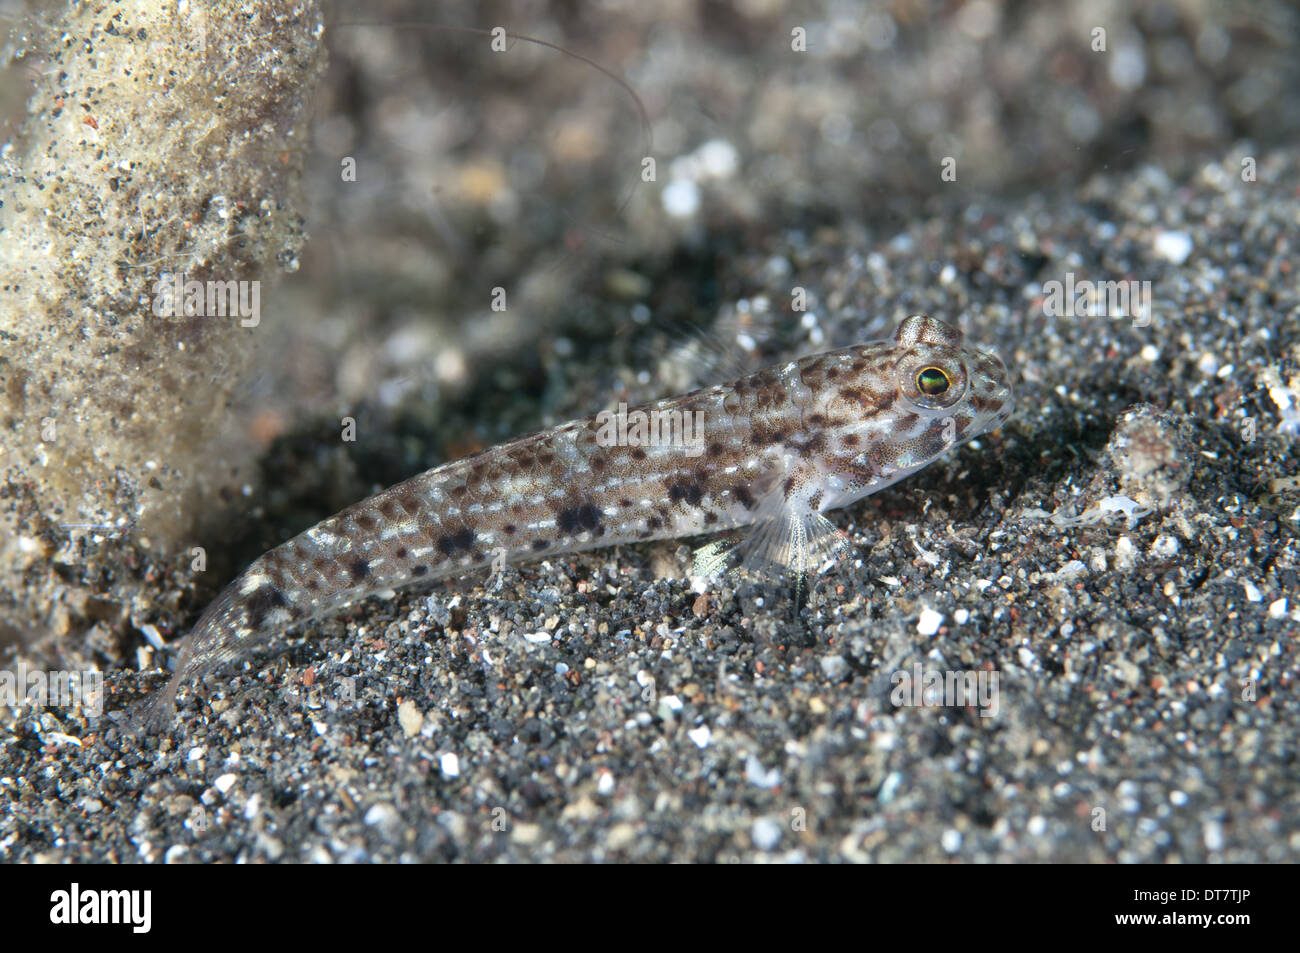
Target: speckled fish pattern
{"points": [[773, 451]]}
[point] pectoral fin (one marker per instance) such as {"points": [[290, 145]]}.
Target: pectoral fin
{"points": [[788, 540]]}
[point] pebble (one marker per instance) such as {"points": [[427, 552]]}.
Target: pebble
{"points": [[382, 814], [681, 198], [759, 776], [834, 667], [1212, 833], [1173, 246], [410, 718], [526, 833], [929, 622], [766, 834]]}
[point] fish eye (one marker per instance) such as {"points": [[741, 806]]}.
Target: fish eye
{"points": [[932, 381]]}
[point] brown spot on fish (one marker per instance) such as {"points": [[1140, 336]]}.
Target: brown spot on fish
{"points": [[451, 542], [575, 519], [688, 490]]}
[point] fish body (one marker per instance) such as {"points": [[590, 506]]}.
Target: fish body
{"points": [[773, 450]]}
